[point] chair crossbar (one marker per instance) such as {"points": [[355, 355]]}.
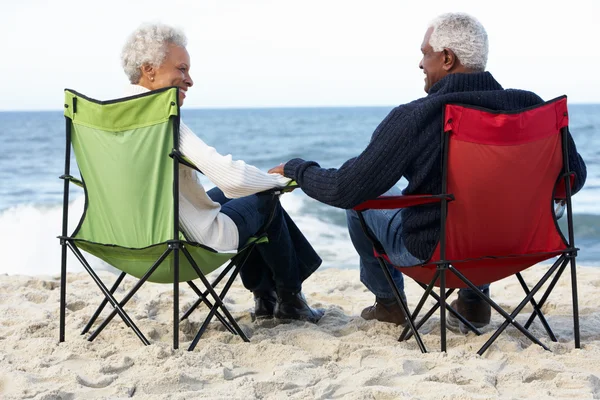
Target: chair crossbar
{"points": [[546, 294], [428, 289], [212, 312], [129, 295], [217, 299], [407, 334], [517, 310], [202, 295], [509, 319], [103, 304], [203, 299], [118, 307], [536, 308]]}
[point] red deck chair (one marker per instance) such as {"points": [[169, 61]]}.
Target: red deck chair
{"points": [[502, 172]]}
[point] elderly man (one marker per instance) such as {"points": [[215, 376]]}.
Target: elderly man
{"points": [[407, 144]]}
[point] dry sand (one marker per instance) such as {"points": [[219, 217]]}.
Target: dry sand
{"points": [[343, 357]]}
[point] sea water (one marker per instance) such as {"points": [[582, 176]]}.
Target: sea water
{"points": [[32, 148]]}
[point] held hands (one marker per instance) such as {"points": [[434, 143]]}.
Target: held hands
{"points": [[277, 170]]}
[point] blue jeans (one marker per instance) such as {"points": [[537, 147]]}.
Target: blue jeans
{"points": [[386, 226], [286, 260]]}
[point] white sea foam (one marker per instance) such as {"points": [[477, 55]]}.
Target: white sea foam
{"points": [[28, 240], [29, 244], [331, 242]]}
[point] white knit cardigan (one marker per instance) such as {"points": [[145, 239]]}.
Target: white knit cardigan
{"points": [[199, 216]]}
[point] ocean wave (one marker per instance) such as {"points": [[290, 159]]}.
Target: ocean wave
{"points": [[29, 244], [28, 237]]}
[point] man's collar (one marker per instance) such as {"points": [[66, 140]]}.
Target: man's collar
{"points": [[465, 82]]}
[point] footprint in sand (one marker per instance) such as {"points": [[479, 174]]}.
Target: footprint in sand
{"points": [[33, 328], [41, 284], [55, 394], [125, 364], [36, 297], [76, 305], [543, 374], [102, 382]]}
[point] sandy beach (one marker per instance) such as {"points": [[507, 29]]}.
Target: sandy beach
{"points": [[342, 357]]}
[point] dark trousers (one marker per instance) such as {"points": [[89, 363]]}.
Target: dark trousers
{"points": [[286, 260]]}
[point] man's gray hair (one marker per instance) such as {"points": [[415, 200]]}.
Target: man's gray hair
{"points": [[464, 35], [148, 45]]}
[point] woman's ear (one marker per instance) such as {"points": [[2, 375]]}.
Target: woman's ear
{"points": [[148, 72]]}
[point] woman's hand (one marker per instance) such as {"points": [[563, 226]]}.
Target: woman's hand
{"points": [[278, 169]]}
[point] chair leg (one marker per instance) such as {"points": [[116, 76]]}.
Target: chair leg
{"points": [[176, 297], [103, 304], [575, 303], [63, 291], [536, 308], [402, 304], [443, 307]]}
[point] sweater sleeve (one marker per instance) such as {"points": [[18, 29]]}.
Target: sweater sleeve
{"points": [[234, 178], [378, 168], [576, 165]]}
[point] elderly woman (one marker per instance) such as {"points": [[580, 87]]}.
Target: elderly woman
{"points": [[226, 216]]}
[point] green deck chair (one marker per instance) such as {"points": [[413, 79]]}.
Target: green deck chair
{"points": [[127, 154]]}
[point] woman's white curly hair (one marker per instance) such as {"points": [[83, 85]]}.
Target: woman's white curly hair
{"points": [[464, 35], [148, 45]]}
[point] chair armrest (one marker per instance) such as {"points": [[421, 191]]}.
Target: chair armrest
{"points": [[184, 160], [394, 202], [72, 179], [286, 189]]}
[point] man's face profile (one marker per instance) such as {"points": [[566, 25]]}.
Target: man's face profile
{"points": [[432, 62]]}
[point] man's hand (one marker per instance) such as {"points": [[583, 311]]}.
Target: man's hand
{"points": [[277, 170]]}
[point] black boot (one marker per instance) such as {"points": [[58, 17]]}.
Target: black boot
{"points": [[292, 305], [264, 303]]}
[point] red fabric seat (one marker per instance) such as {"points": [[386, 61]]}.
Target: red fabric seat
{"points": [[501, 174]]}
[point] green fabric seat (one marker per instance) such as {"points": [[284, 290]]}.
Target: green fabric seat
{"points": [[127, 154]]}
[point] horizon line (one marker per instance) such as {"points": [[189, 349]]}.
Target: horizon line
{"points": [[219, 108]]}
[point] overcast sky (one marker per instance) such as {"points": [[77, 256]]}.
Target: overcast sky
{"points": [[265, 53]]}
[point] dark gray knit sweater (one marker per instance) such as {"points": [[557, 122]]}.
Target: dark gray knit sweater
{"points": [[407, 143]]}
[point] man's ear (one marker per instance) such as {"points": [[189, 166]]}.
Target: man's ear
{"points": [[450, 59]]}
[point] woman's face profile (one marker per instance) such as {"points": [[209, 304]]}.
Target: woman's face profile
{"points": [[174, 71]]}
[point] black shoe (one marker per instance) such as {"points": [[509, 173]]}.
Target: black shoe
{"points": [[476, 311], [264, 303], [292, 305]]}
